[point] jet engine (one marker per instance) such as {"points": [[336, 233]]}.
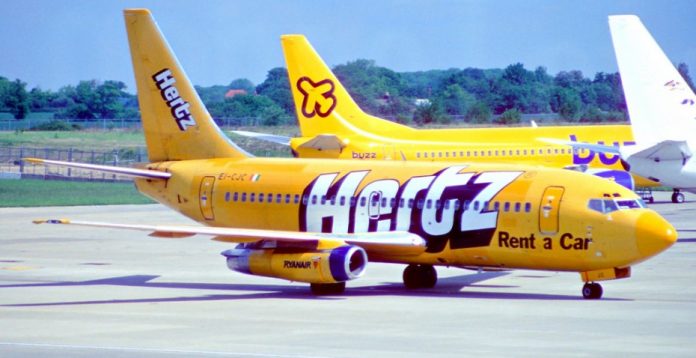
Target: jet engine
{"points": [[335, 265]]}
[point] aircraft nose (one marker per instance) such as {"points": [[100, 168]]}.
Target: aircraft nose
{"points": [[654, 234]]}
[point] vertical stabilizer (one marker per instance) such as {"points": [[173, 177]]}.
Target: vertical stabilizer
{"points": [[176, 124], [322, 104], [660, 103]]}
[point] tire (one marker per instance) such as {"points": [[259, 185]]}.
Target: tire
{"points": [[321, 289], [592, 291], [411, 277], [678, 198]]}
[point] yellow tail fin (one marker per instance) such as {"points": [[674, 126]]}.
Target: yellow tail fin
{"points": [[322, 104], [177, 125]]}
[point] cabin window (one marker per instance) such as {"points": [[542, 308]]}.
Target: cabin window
{"points": [[517, 207], [304, 199], [363, 201], [447, 154], [260, 198], [490, 153], [243, 197], [518, 152], [496, 206], [314, 199], [432, 154], [297, 199], [279, 198], [353, 201], [342, 201], [384, 202], [496, 153], [461, 154], [270, 197], [417, 154], [401, 202], [287, 198], [227, 196], [425, 154], [476, 205], [446, 204], [392, 202], [252, 197], [527, 207], [235, 196], [506, 207], [465, 205]]}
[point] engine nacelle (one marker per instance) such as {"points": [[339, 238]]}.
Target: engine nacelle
{"points": [[340, 264]]}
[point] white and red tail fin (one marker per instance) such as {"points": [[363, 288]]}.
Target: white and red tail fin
{"points": [[176, 124], [660, 103], [322, 104]]}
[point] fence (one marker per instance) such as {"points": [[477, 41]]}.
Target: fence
{"points": [[126, 123], [12, 166]]}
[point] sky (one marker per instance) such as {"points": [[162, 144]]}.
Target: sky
{"points": [[53, 43]]}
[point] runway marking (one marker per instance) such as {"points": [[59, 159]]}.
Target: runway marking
{"points": [[17, 268], [157, 350]]}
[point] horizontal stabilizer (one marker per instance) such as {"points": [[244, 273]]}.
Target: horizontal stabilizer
{"points": [[665, 150], [278, 139], [383, 243], [324, 142], [131, 172]]}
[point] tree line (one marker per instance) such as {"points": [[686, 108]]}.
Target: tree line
{"points": [[469, 95]]}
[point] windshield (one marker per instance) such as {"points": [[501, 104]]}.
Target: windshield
{"points": [[606, 206]]}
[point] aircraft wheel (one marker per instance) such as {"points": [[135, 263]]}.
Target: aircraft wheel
{"points": [[592, 291], [678, 197], [420, 276], [321, 289]]}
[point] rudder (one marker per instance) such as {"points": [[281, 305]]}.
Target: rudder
{"points": [[322, 104], [176, 124]]}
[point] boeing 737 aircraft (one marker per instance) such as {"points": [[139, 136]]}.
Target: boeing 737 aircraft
{"points": [[319, 221], [661, 105], [332, 125]]}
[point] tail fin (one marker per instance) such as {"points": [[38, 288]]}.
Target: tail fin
{"points": [[323, 105], [177, 125], [660, 103]]}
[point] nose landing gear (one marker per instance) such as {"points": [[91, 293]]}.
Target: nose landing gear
{"points": [[592, 291]]}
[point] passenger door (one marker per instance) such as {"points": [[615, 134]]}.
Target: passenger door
{"points": [[549, 209], [205, 197]]}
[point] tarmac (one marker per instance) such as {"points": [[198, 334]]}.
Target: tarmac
{"points": [[85, 292]]}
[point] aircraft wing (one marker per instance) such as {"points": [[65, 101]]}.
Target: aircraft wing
{"points": [[665, 150], [578, 145], [278, 139], [131, 172], [382, 243]]}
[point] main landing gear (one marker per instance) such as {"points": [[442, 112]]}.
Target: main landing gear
{"points": [[592, 291], [420, 276], [321, 289], [677, 197]]}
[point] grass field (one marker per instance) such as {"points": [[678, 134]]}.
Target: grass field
{"points": [[87, 140], [32, 193]]}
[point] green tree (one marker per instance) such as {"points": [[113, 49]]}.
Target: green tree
{"points": [[454, 100], [511, 116], [277, 88], [16, 99], [429, 113], [478, 113]]}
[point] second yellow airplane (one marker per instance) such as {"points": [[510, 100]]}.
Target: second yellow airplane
{"points": [[332, 125], [321, 221]]}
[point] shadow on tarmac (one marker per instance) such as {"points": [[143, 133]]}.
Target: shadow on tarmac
{"points": [[448, 287]]}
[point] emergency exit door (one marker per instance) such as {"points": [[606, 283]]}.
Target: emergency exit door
{"points": [[549, 209], [205, 198]]}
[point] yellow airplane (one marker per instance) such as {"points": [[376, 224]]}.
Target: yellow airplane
{"points": [[332, 125], [319, 221]]}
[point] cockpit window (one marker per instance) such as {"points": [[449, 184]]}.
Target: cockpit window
{"points": [[606, 206], [630, 204]]}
